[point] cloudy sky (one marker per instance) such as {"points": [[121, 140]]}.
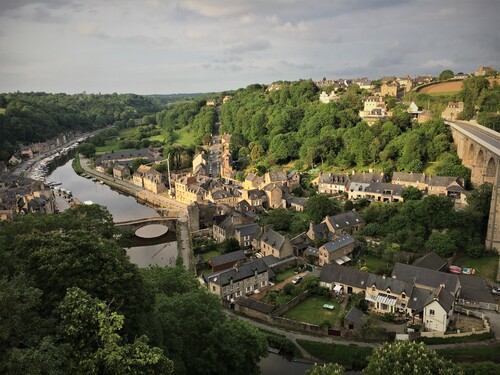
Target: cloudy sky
{"points": [[181, 46]]}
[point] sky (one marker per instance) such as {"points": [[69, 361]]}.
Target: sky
{"points": [[187, 46]]}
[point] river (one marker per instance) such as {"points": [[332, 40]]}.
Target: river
{"points": [[124, 207]]}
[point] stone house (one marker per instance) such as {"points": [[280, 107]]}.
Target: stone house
{"points": [[255, 197], [327, 98], [360, 181], [26, 152], [296, 203], [239, 280], [252, 181], [329, 183], [345, 223], [224, 226], [273, 243], [15, 159], [452, 111], [338, 250], [221, 196], [382, 192], [374, 109], [149, 179], [279, 178], [354, 320], [390, 89], [246, 234], [121, 172], [191, 189], [225, 261], [275, 196], [200, 164]]}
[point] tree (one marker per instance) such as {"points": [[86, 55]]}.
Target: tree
{"points": [[411, 193], [280, 219], [136, 163], [87, 149], [326, 369], [446, 74], [320, 206], [441, 243], [407, 358], [229, 245]]}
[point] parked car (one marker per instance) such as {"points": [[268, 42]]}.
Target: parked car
{"points": [[297, 280], [468, 271], [496, 290]]}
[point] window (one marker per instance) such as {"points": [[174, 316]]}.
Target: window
{"points": [[431, 312]]}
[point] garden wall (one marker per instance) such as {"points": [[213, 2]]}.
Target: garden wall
{"points": [[294, 302]]}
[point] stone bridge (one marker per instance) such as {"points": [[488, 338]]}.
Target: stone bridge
{"points": [[169, 222], [479, 149]]}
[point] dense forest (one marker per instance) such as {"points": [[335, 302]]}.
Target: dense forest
{"points": [[71, 302], [27, 118]]}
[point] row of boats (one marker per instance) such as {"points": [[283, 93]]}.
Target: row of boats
{"points": [[41, 168]]}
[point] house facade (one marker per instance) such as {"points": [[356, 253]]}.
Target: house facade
{"points": [[338, 250], [329, 183], [275, 244]]}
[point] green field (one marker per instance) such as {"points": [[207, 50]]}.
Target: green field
{"points": [[285, 274], [373, 263], [113, 144], [184, 137], [312, 311], [211, 254], [349, 356], [472, 353], [485, 266]]}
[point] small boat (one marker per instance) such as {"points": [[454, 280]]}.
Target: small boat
{"points": [[468, 271], [455, 269]]}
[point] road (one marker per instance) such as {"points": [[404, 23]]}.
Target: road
{"points": [[214, 159], [488, 136]]}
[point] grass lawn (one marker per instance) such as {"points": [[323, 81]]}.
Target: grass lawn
{"points": [[285, 274], [373, 263], [349, 356], [444, 93], [113, 143], [184, 137], [311, 311], [485, 266], [2, 110], [472, 354], [211, 254]]}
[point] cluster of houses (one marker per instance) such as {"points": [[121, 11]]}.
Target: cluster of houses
{"points": [[21, 195], [375, 187]]}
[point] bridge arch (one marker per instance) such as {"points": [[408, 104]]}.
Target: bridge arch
{"points": [[480, 159], [491, 168], [470, 153]]}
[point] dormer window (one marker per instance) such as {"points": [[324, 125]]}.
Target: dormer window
{"points": [[373, 288], [388, 291], [403, 295]]}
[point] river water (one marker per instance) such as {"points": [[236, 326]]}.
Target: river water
{"points": [[123, 208]]}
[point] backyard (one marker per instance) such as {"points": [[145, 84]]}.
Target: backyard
{"points": [[285, 274], [486, 266], [312, 311]]}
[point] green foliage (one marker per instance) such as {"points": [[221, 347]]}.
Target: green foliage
{"points": [[326, 369], [136, 163], [319, 206], [37, 117], [87, 149], [446, 75], [472, 90], [442, 244], [229, 245], [349, 356], [480, 368], [405, 357]]}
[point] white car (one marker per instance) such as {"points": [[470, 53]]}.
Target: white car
{"points": [[496, 290], [297, 280]]}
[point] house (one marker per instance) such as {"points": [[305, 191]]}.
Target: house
{"points": [[311, 254], [273, 243], [413, 110], [252, 181], [200, 163], [431, 261], [374, 109], [239, 280], [279, 178], [26, 152], [360, 181], [348, 222], [126, 157], [425, 116], [225, 261], [354, 319], [149, 179], [425, 296], [223, 227], [327, 98], [211, 102], [382, 192], [293, 180], [255, 197], [452, 110], [15, 159], [274, 194], [296, 203], [246, 234], [191, 189], [338, 250], [226, 98], [222, 197], [329, 183], [121, 171], [484, 70], [389, 88]]}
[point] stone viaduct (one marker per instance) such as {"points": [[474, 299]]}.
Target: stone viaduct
{"points": [[479, 149]]}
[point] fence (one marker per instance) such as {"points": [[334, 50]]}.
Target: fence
{"points": [[461, 310], [478, 305], [291, 304]]}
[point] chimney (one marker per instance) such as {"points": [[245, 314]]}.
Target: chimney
{"points": [[383, 276]]}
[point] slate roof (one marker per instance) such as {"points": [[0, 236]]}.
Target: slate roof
{"points": [[380, 187], [243, 206], [297, 201], [384, 283], [418, 299], [443, 297], [256, 194], [367, 178], [253, 304], [474, 288], [332, 273], [273, 239], [355, 315], [237, 274], [329, 178], [431, 261], [227, 258], [277, 176], [408, 177], [425, 277], [270, 260], [247, 230], [321, 231], [312, 251], [338, 243], [345, 220], [221, 194]]}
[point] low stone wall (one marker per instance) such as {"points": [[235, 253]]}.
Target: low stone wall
{"points": [[253, 313], [202, 233], [294, 302], [477, 314], [285, 264], [478, 305], [293, 324]]}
